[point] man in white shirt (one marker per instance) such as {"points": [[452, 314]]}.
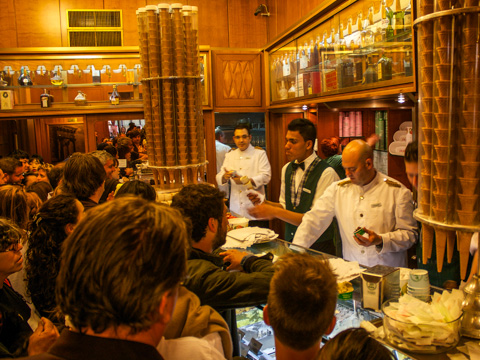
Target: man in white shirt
{"points": [[248, 161], [220, 147], [379, 205], [301, 185]]}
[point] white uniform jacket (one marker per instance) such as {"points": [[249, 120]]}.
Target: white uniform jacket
{"points": [[221, 150], [253, 163], [384, 206]]}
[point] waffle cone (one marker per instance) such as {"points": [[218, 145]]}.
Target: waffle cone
{"points": [[427, 239], [440, 242], [464, 250], [450, 245]]}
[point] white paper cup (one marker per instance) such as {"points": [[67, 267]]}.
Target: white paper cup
{"points": [[419, 279]]}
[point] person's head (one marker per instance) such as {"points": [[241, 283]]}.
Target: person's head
{"points": [[138, 188], [142, 263], [242, 136], [302, 300], [35, 162], [135, 136], [357, 160], [300, 139], [219, 134], [112, 150], [13, 170], [29, 178], [131, 126], [42, 189], [204, 206], [23, 157], [42, 173], [11, 238], [55, 175], [102, 146], [354, 344], [55, 220], [14, 204], [330, 146], [2, 177], [83, 176], [107, 160], [411, 163]]}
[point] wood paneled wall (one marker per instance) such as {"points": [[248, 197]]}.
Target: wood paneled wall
{"points": [[222, 23]]}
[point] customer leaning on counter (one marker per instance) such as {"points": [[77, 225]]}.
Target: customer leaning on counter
{"points": [[379, 205]]}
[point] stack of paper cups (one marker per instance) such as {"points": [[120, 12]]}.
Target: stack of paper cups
{"points": [[419, 285]]}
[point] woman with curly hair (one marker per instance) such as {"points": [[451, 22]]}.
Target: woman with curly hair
{"points": [[55, 220]]}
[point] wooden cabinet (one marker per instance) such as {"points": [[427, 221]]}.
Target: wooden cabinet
{"points": [[237, 79]]}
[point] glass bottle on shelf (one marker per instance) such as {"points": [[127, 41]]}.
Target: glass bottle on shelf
{"points": [[24, 78], [407, 64], [315, 74], [292, 91], [389, 33], [384, 68], [370, 75], [341, 40], [115, 97], [407, 19], [45, 100], [283, 92], [349, 26], [56, 79], [399, 15]]}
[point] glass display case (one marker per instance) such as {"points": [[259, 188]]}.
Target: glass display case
{"points": [[360, 45]]}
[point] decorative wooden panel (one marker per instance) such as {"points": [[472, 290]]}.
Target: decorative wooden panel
{"points": [[238, 79], [244, 28], [8, 30], [38, 28]]}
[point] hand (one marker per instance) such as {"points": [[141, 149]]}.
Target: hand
{"points": [[262, 211], [128, 171], [43, 337], [227, 175], [234, 257], [237, 180], [111, 196], [254, 198], [372, 239]]}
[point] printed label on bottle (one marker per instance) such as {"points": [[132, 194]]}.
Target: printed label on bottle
{"points": [[115, 101], [379, 71], [303, 62], [286, 69], [45, 102]]}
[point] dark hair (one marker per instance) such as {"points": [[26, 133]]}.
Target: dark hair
{"points": [[305, 127], [122, 151], [133, 133], [102, 155], [330, 146], [47, 233], [411, 152], [83, 174], [19, 154], [37, 157], [114, 275], [112, 150], [137, 187], [26, 175], [102, 146], [9, 165], [10, 233], [198, 203], [55, 175], [14, 204], [41, 188], [243, 125], [302, 299], [354, 344]]}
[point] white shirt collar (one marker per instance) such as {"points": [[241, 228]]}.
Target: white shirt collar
{"points": [[308, 160]]}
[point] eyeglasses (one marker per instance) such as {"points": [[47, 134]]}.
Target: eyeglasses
{"points": [[14, 246], [244, 137]]}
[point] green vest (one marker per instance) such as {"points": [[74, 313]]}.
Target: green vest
{"points": [[306, 200]]}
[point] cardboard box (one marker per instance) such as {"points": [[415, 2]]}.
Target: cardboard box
{"points": [[379, 284], [6, 99]]}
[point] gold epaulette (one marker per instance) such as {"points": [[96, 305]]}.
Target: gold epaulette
{"points": [[232, 149], [259, 148], [392, 183], [344, 182]]}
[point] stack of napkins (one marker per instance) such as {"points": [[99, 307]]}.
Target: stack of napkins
{"points": [[345, 270], [245, 237]]}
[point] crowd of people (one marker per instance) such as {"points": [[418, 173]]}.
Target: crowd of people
{"points": [[121, 275]]}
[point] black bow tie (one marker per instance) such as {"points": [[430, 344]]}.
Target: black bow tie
{"points": [[295, 166]]}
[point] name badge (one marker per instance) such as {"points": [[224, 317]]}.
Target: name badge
{"points": [[308, 191], [376, 205]]}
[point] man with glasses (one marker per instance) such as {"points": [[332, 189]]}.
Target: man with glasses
{"points": [[13, 170], [248, 162], [368, 200]]}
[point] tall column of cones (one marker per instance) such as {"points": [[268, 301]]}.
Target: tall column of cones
{"points": [[172, 93]]}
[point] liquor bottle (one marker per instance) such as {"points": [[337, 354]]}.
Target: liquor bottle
{"points": [[407, 64], [45, 100], [407, 20], [399, 18], [24, 78], [341, 40], [283, 92], [349, 26], [348, 78], [315, 75], [115, 97], [384, 68], [292, 91], [389, 33], [370, 75]]}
